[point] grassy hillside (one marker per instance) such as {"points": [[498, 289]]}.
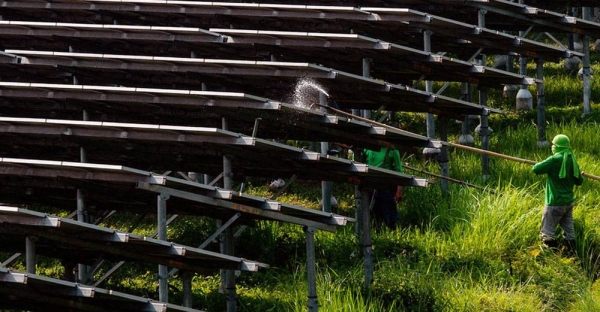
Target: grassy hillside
{"points": [[472, 250]]}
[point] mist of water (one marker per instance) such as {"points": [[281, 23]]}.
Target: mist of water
{"points": [[306, 93]]}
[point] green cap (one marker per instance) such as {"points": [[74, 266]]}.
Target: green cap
{"points": [[561, 140]]}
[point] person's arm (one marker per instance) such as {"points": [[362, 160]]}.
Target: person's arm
{"points": [[543, 166], [397, 160], [398, 167]]}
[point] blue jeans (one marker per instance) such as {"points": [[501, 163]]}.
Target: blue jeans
{"points": [[557, 215]]}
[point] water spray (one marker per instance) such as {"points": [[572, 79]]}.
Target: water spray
{"points": [[307, 92]]}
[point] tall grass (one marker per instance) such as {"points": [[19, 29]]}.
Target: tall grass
{"points": [[471, 250], [465, 250]]}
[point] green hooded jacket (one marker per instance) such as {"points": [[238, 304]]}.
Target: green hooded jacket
{"points": [[378, 159], [559, 191]]}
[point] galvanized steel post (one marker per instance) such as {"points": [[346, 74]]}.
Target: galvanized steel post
{"points": [[311, 272], [161, 216], [541, 105]]}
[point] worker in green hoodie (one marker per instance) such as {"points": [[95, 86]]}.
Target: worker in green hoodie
{"points": [[563, 174], [385, 200]]}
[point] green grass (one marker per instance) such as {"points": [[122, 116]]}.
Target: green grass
{"points": [[473, 250]]}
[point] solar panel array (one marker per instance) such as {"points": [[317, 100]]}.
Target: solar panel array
{"points": [[119, 101]]}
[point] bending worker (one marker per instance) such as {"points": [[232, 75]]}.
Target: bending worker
{"points": [[384, 200]]}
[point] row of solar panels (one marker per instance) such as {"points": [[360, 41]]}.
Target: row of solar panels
{"points": [[155, 94]]}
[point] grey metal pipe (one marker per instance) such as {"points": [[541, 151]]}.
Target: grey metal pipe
{"points": [[429, 85], [230, 274], [587, 89], [443, 158], [367, 244], [485, 143], [161, 215], [82, 269], [541, 105], [186, 281], [30, 254], [311, 272], [227, 184], [366, 72], [326, 186]]}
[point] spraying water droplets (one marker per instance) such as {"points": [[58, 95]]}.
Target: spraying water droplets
{"points": [[306, 93]]}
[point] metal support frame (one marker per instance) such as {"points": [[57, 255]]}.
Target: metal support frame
{"points": [[358, 227], [481, 17], [83, 275], [429, 86], [121, 263], [484, 134], [465, 94], [10, 260], [367, 245], [523, 69], [275, 196], [475, 55], [82, 269], [255, 129], [429, 152], [161, 216], [30, 254], [213, 237], [366, 72], [230, 290], [311, 272], [363, 219], [326, 186], [541, 105], [226, 246], [206, 177], [215, 180], [186, 280], [227, 181], [587, 89], [238, 207], [443, 157], [358, 204], [483, 125]]}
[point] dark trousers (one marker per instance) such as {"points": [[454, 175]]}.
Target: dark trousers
{"points": [[384, 209]]}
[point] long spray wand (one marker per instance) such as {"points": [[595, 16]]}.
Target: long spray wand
{"points": [[468, 148], [448, 179]]}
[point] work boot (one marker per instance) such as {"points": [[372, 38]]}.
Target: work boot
{"points": [[552, 244]]}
